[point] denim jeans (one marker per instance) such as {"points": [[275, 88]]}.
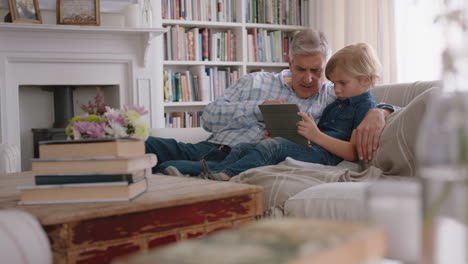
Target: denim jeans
{"points": [[184, 156], [270, 152]]}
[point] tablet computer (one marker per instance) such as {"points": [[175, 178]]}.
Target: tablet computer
{"points": [[280, 120]]}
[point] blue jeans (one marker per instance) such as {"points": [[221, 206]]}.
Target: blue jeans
{"points": [[184, 156], [270, 152]]}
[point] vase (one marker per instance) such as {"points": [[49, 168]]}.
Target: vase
{"points": [[442, 151], [147, 14]]}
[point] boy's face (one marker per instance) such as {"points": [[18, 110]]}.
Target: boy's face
{"points": [[347, 86], [307, 73]]}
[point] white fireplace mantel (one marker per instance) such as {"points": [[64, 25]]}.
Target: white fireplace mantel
{"points": [[146, 34], [74, 55]]}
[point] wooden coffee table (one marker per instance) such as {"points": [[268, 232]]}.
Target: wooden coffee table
{"points": [[275, 241], [173, 209]]}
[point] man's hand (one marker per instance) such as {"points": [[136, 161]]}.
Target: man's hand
{"points": [[275, 102], [368, 133], [266, 134]]}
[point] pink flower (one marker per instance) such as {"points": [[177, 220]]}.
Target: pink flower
{"points": [[89, 129], [139, 109], [114, 115], [98, 107]]}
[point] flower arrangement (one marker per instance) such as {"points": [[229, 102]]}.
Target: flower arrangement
{"points": [[102, 121]]}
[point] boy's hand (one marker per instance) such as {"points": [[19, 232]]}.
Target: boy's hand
{"points": [[307, 126], [266, 134]]}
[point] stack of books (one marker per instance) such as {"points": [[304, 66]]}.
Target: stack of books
{"points": [[95, 170]]}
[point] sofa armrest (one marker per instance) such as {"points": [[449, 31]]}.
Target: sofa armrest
{"points": [[187, 135], [22, 239]]}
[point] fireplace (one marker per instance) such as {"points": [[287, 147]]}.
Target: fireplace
{"points": [[36, 56], [61, 98]]}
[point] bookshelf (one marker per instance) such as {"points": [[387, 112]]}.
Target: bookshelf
{"points": [[184, 60]]}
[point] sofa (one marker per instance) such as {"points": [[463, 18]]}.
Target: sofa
{"points": [[295, 188], [347, 192]]}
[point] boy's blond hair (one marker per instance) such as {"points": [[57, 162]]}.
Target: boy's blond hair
{"points": [[357, 60]]}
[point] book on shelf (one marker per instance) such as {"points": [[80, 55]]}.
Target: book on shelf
{"points": [[72, 178], [286, 240], [93, 164], [91, 148], [82, 192]]}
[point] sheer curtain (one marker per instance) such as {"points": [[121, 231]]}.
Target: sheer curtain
{"points": [[350, 21], [419, 41]]}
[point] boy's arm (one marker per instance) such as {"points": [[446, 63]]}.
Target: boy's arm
{"points": [[340, 148]]}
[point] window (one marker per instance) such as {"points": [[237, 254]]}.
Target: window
{"points": [[419, 40]]}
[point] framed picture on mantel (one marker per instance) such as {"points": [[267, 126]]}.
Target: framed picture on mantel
{"points": [[25, 11], [78, 12]]}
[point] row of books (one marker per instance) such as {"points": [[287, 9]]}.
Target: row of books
{"points": [[188, 87], [201, 10], [199, 44], [285, 12], [103, 170], [268, 46], [182, 119]]}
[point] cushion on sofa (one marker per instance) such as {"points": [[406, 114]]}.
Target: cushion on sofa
{"points": [[396, 152], [401, 94], [187, 135], [343, 201]]}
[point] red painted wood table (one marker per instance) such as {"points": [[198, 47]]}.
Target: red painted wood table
{"points": [[173, 209]]}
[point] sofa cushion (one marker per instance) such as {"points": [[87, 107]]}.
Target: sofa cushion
{"points": [[187, 135], [396, 152], [401, 94], [342, 201]]}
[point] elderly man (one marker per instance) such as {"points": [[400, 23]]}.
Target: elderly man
{"points": [[235, 118]]}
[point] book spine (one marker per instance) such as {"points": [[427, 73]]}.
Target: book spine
{"points": [[205, 44], [62, 179]]}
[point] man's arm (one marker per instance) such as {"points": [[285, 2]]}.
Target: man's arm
{"points": [[369, 131]]}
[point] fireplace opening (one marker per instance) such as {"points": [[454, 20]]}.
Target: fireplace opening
{"points": [[63, 112], [46, 110]]}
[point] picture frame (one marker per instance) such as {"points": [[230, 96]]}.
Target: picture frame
{"points": [[78, 12], [25, 11]]}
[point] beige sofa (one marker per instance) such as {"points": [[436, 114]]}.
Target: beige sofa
{"points": [[295, 188]]}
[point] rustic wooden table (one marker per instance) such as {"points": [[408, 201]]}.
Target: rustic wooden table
{"points": [[173, 209], [275, 241]]}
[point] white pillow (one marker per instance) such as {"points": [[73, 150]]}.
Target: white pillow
{"points": [[22, 239], [341, 201]]}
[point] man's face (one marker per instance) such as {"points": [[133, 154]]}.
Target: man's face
{"points": [[307, 74]]}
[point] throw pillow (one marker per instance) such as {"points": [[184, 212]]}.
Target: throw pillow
{"points": [[396, 152]]}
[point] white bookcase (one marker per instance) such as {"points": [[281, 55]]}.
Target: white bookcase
{"points": [[239, 27]]}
